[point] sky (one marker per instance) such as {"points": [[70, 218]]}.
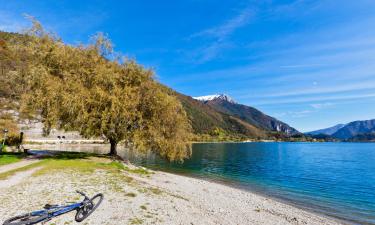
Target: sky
{"points": [[308, 63]]}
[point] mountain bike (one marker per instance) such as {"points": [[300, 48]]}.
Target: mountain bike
{"points": [[84, 209]]}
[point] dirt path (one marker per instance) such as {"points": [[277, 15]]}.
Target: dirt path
{"points": [[17, 165]]}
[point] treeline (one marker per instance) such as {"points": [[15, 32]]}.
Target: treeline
{"points": [[93, 90]]}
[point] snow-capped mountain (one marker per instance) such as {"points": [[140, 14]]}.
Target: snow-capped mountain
{"points": [[225, 104], [214, 97]]}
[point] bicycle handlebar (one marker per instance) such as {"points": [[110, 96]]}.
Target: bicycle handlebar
{"points": [[83, 194]]}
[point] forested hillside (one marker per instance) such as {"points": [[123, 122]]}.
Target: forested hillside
{"points": [[250, 115], [208, 122]]}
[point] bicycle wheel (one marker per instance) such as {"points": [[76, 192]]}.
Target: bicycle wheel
{"points": [[26, 219], [86, 210]]}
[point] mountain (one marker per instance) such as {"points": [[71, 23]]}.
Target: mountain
{"points": [[327, 131], [207, 120], [226, 105], [354, 129], [215, 97]]}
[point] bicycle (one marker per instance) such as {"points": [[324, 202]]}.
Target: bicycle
{"points": [[84, 209]]}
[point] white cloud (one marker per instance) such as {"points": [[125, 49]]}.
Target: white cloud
{"points": [[321, 105], [294, 114], [312, 99], [219, 37], [225, 29]]}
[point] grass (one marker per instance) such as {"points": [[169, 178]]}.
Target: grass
{"points": [[8, 158], [84, 166], [131, 194], [140, 171], [156, 191], [81, 162], [12, 172], [135, 221]]}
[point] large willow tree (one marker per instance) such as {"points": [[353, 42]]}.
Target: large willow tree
{"points": [[90, 90]]}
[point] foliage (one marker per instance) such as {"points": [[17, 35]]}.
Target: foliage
{"points": [[7, 122], [94, 91]]}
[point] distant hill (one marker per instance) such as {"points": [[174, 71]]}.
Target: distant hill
{"points": [[225, 104], [323, 137], [355, 128], [327, 131], [369, 137], [353, 131]]}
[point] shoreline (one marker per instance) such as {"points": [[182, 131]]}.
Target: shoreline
{"points": [[243, 188], [271, 204], [155, 197]]}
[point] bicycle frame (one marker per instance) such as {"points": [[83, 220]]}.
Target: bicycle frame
{"points": [[57, 210]]}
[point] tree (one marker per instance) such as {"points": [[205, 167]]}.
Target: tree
{"points": [[83, 88]]}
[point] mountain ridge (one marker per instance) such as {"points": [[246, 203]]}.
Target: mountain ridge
{"points": [[352, 129], [252, 116], [215, 96], [326, 131], [359, 130]]}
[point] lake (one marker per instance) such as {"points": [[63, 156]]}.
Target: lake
{"points": [[335, 179]]}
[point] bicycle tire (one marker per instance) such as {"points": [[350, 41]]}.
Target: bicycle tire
{"points": [[26, 219], [82, 214]]}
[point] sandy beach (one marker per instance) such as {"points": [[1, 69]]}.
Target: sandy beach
{"points": [[133, 197]]}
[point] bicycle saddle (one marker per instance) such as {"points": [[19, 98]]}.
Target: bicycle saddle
{"points": [[48, 206]]}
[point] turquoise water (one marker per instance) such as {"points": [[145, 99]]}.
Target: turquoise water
{"points": [[336, 179]]}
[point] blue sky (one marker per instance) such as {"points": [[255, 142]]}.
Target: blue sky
{"points": [[308, 63]]}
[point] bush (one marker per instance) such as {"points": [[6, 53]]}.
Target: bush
{"points": [[13, 137], [12, 140]]}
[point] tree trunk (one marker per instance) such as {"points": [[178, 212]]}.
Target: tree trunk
{"points": [[113, 151]]}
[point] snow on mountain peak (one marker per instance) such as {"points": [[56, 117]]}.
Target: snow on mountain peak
{"points": [[213, 97]]}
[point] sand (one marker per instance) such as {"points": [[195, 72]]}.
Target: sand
{"points": [[158, 198]]}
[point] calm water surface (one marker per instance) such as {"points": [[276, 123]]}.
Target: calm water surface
{"points": [[336, 179]]}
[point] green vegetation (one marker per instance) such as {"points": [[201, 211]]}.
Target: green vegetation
{"points": [[12, 172], [82, 162], [136, 221], [131, 194], [93, 90], [156, 191], [8, 158], [7, 122], [141, 171], [84, 166]]}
